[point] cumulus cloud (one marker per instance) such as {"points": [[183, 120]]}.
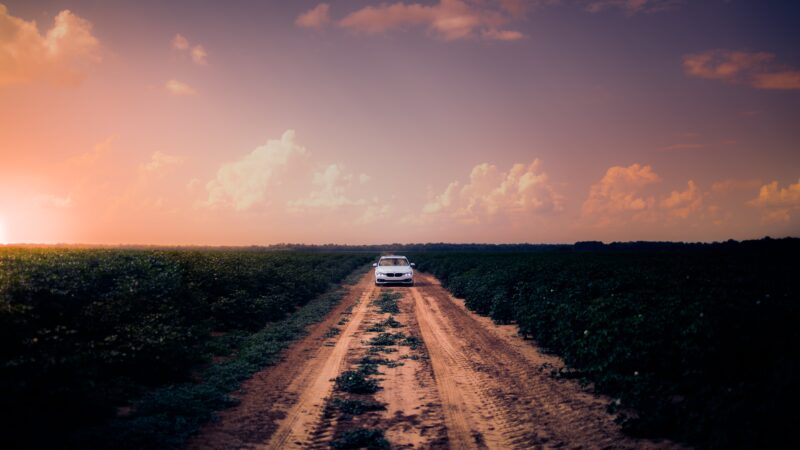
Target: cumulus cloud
{"points": [[620, 194], [777, 202], [756, 69], [60, 56], [629, 194], [179, 88], [491, 193], [447, 19], [246, 183], [682, 203], [317, 17], [330, 186]]}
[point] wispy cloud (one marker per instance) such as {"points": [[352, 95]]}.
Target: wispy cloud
{"points": [[632, 6], [756, 69], [53, 201], [683, 146], [179, 88], [317, 17], [60, 56], [502, 35], [179, 42], [160, 161], [447, 19], [197, 52], [199, 55]]}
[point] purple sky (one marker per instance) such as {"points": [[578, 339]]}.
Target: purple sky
{"points": [[361, 122]]}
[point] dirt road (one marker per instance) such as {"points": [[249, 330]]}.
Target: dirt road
{"points": [[445, 378]]}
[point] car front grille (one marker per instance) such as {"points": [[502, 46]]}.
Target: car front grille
{"points": [[393, 274]]}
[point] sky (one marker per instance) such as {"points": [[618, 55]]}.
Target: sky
{"points": [[252, 123]]}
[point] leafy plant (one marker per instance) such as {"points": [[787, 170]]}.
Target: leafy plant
{"points": [[356, 382], [701, 341], [332, 332], [387, 302], [369, 438], [356, 407], [86, 331]]}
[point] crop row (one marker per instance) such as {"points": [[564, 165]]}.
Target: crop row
{"points": [[700, 346], [86, 334]]}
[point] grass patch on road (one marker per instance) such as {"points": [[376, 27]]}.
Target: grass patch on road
{"points": [[333, 332], [389, 339], [369, 364], [385, 339], [387, 302], [356, 382], [380, 327], [369, 438], [357, 407]]}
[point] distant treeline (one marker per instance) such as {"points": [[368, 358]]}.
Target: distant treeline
{"points": [[581, 246]]}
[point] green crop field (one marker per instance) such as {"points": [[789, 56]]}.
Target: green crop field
{"points": [[700, 344], [136, 349], [106, 348]]}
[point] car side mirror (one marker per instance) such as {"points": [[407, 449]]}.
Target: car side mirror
{"points": [[413, 265], [374, 264]]}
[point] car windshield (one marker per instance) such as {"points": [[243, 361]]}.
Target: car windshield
{"points": [[393, 262]]}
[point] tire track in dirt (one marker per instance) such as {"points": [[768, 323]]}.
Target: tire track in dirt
{"points": [[497, 396], [468, 384], [411, 416], [314, 386], [458, 387], [266, 398]]}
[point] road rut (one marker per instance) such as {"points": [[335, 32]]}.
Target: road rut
{"points": [[463, 383]]}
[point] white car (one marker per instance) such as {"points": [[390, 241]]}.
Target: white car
{"points": [[394, 269]]}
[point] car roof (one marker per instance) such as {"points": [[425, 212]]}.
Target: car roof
{"points": [[392, 256]]}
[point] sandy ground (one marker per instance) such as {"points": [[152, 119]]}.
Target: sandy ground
{"points": [[469, 384]]}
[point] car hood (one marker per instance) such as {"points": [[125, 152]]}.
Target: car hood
{"points": [[394, 268]]}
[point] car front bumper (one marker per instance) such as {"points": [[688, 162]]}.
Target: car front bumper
{"points": [[390, 278]]}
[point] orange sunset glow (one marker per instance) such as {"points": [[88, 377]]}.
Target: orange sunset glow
{"points": [[413, 121]]}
